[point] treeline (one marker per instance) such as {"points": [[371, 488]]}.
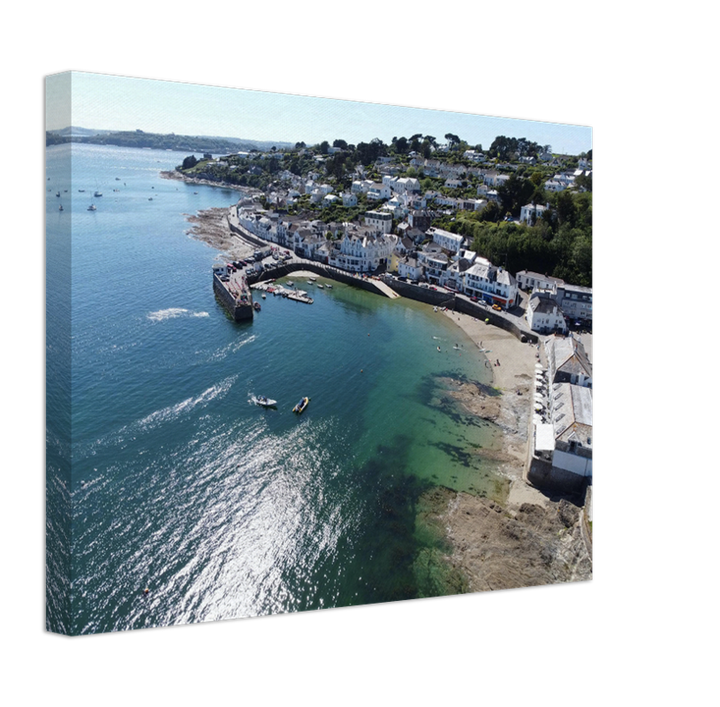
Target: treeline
{"points": [[559, 244]]}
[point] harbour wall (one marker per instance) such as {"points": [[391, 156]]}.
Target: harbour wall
{"points": [[405, 289], [239, 313], [317, 269], [434, 298]]}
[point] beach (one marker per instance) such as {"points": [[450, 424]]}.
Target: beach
{"points": [[511, 410], [529, 539]]}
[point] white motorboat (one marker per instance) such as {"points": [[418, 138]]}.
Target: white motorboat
{"points": [[262, 401]]}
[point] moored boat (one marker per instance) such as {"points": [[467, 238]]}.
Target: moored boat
{"points": [[92, 207], [256, 306]]}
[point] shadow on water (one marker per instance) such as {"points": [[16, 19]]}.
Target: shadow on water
{"points": [[406, 556]]}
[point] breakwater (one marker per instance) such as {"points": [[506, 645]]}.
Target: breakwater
{"points": [[240, 308]]}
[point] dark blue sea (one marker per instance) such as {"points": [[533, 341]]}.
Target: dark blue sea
{"points": [[161, 474]]}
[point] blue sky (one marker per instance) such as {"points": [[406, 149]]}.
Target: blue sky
{"points": [[119, 103]]}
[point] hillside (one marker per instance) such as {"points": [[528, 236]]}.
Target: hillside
{"points": [[139, 138]]}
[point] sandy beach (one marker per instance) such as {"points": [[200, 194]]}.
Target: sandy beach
{"points": [[512, 410]]}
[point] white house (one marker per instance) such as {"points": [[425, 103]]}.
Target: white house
{"points": [[362, 249], [361, 186], [490, 283], [554, 185], [434, 261], [402, 185], [379, 192], [531, 213], [451, 242], [526, 279], [543, 315], [474, 155], [349, 199], [410, 268], [379, 220]]}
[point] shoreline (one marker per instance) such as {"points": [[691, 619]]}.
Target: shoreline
{"points": [[528, 540], [531, 539], [511, 410]]}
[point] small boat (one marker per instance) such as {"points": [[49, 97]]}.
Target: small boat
{"points": [[264, 295], [57, 194], [97, 193], [61, 208], [290, 283], [329, 287], [310, 279], [262, 401], [320, 286], [438, 348], [92, 207], [256, 306], [300, 407], [81, 190]]}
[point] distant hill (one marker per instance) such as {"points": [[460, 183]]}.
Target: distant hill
{"points": [[180, 143]]}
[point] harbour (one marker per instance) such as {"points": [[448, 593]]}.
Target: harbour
{"points": [[237, 510]]}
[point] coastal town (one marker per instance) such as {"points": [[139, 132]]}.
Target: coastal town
{"points": [[378, 228]]}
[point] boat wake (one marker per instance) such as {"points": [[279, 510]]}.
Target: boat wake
{"points": [[172, 412], [163, 314], [231, 348], [158, 418]]}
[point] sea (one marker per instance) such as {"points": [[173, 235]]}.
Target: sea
{"points": [[171, 497]]}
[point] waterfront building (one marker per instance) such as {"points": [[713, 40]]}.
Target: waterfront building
{"points": [[492, 284], [528, 280], [575, 301], [543, 314], [568, 361], [434, 261], [410, 268], [565, 440], [362, 249]]}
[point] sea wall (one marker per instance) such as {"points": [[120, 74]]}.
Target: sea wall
{"points": [[463, 305]]}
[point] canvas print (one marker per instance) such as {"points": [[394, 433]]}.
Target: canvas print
{"points": [[305, 353]]}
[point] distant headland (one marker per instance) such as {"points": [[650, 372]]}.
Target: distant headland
{"points": [[157, 141]]}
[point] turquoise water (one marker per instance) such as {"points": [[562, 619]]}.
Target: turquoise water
{"points": [[176, 482]]}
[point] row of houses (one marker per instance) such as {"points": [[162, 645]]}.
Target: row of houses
{"points": [[422, 253]]}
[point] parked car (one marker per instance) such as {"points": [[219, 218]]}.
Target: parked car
{"points": [[497, 308]]}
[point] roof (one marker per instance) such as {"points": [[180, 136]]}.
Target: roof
{"points": [[572, 416], [542, 305], [567, 354]]}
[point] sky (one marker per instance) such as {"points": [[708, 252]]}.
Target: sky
{"points": [[104, 102]]}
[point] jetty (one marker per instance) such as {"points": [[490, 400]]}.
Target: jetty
{"points": [[276, 290]]}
